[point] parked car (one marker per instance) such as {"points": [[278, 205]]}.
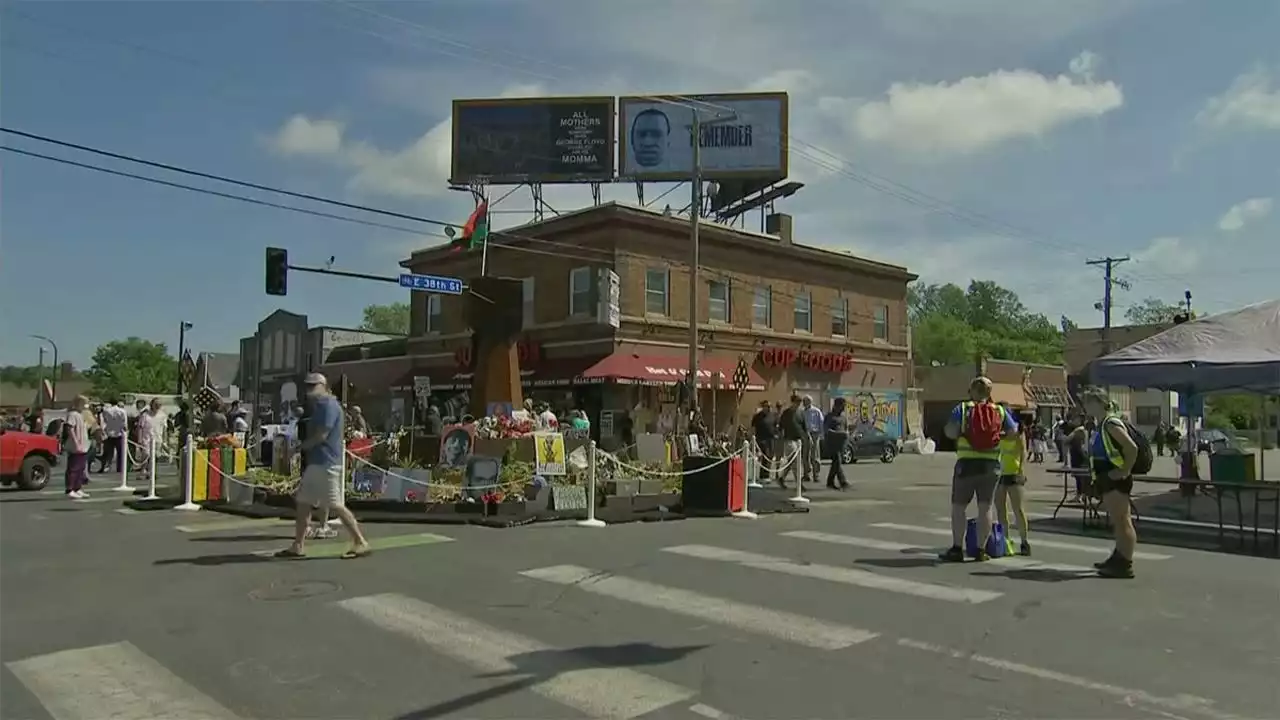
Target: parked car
{"points": [[1212, 441], [27, 459], [867, 445]]}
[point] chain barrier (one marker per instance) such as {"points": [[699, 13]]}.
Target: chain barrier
{"points": [[662, 473], [770, 464]]}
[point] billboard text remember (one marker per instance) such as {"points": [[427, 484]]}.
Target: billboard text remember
{"points": [[656, 142]]}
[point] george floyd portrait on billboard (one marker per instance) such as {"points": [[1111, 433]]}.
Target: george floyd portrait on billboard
{"points": [[533, 140], [655, 138]]}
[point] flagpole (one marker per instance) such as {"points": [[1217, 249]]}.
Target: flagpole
{"points": [[484, 255]]}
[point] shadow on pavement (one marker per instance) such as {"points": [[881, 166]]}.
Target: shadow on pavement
{"points": [[543, 665], [223, 559], [1171, 535]]}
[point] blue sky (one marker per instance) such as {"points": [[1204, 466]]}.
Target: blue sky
{"points": [[1071, 129]]}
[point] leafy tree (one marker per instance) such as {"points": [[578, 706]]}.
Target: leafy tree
{"points": [[132, 365], [951, 325], [25, 376], [390, 319], [1153, 311]]}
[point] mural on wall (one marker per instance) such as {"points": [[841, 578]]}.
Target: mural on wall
{"points": [[870, 410]]}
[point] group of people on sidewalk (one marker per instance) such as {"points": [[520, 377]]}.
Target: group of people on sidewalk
{"points": [[990, 452], [792, 441]]}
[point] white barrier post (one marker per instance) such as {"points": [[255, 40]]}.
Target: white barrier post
{"points": [[124, 466], [188, 473], [745, 513], [591, 520], [151, 471], [753, 466], [798, 498]]}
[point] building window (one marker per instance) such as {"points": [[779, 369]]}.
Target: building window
{"points": [[762, 307], [882, 323], [804, 313], [718, 301], [840, 317], [1148, 415], [655, 291], [580, 291], [526, 292], [435, 319]]}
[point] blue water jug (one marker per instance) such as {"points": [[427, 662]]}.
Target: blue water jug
{"points": [[996, 545]]}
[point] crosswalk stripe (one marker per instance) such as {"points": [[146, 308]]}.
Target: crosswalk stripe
{"points": [[1037, 542], [779, 624], [118, 681], [1022, 563], [601, 692], [236, 524], [832, 573]]}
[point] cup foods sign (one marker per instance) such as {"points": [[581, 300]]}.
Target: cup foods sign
{"points": [[741, 136], [508, 141]]}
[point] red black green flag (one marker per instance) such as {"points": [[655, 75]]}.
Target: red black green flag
{"points": [[476, 232]]}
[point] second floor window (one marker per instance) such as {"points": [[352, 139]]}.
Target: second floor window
{"points": [[762, 307], [655, 291], [804, 313], [435, 319], [580, 291], [882, 322], [840, 318], [526, 292], [718, 301]]}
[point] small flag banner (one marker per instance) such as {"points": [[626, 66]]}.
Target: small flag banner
{"points": [[208, 477]]}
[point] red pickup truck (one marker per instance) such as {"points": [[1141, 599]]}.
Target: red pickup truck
{"points": [[27, 459]]}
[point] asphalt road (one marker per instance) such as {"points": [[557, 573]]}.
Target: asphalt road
{"points": [[837, 613]]}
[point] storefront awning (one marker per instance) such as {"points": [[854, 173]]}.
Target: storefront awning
{"points": [[549, 372], [1008, 393], [1050, 396], [632, 369]]}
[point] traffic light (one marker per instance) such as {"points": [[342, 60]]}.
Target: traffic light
{"points": [[277, 271]]}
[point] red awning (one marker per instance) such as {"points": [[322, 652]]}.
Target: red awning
{"points": [[631, 369], [549, 372]]}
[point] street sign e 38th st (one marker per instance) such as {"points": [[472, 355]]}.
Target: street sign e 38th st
{"points": [[432, 283]]}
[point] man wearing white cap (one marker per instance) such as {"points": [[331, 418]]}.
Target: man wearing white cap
{"points": [[321, 484]]}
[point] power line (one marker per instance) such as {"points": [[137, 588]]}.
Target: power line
{"points": [[1109, 280], [207, 191]]}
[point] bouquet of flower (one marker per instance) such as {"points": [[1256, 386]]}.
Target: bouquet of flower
{"points": [[493, 497], [217, 442]]}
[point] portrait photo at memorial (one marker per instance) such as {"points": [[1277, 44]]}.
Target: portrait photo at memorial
{"points": [[455, 445]]}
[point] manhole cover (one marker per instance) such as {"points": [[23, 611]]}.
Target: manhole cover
{"points": [[295, 591]]}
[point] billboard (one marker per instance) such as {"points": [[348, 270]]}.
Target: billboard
{"points": [[655, 138], [533, 140]]}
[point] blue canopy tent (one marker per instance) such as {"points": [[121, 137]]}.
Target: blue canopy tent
{"points": [[1236, 351]]}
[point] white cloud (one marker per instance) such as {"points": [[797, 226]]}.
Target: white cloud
{"points": [[979, 112], [1249, 104], [797, 82], [301, 135], [1168, 256], [1245, 213]]}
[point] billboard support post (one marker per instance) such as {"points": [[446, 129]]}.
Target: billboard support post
{"points": [[695, 211]]}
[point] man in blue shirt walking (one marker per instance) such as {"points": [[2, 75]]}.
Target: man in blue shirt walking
{"points": [[322, 480]]}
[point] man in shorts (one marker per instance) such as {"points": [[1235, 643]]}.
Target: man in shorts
{"points": [[977, 469], [321, 484]]}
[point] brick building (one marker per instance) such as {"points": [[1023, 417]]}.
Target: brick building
{"points": [[805, 319]]}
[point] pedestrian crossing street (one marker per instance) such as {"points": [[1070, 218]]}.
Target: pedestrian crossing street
{"points": [[125, 681]]}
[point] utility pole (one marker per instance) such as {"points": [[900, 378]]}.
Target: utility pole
{"points": [[1109, 264], [695, 211]]}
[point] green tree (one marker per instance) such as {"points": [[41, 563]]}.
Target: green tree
{"points": [[390, 319], [29, 375], [1153, 311], [132, 365], [951, 325]]}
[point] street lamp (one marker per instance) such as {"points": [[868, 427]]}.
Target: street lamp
{"points": [[57, 368], [183, 327]]}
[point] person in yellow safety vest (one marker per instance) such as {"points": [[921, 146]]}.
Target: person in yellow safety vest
{"points": [[1112, 454], [977, 427], [1013, 454]]}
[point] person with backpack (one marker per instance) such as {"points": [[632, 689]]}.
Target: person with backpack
{"points": [[1117, 450], [977, 426]]}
